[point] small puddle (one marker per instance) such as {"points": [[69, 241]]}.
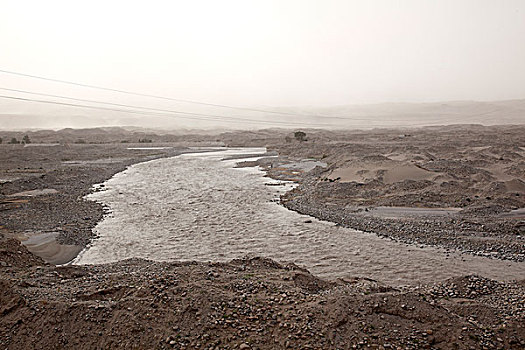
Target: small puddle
{"points": [[516, 214], [33, 193], [45, 246], [396, 212], [147, 148]]}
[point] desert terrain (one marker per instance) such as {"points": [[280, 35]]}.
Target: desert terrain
{"points": [[457, 187]]}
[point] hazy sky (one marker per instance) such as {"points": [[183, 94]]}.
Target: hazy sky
{"points": [[273, 52]]}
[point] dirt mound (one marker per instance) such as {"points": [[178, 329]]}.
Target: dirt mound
{"points": [[13, 254], [252, 303], [467, 287], [9, 300]]}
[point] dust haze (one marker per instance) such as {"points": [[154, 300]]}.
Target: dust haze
{"points": [[327, 64]]}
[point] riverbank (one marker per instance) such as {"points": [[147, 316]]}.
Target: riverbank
{"points": [[247, 304], [42, 194], [460, 188]]}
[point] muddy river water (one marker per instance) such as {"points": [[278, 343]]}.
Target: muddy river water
{"points": [[199, 207]]}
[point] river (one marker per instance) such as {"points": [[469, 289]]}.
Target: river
{"points": [[197, 206]]}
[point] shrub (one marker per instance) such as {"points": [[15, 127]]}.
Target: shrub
{"points": [[299, 135]]}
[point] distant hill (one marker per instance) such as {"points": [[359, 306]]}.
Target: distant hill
{"points": [[420, 114], [335, 117]]}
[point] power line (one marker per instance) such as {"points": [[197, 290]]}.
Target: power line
{"points": [[164, 111], [161, 97], [124, 105], [133, 106], [188, 115], [183, 115]]}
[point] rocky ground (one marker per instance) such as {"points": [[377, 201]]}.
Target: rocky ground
{"points": [[480, 171], [256, 303], [245, 304]]}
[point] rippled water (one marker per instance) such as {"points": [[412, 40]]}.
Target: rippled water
{"points": [[198, 207]]}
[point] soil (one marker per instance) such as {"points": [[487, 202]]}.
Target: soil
{"points": [[257, 303], [247, 304]]}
